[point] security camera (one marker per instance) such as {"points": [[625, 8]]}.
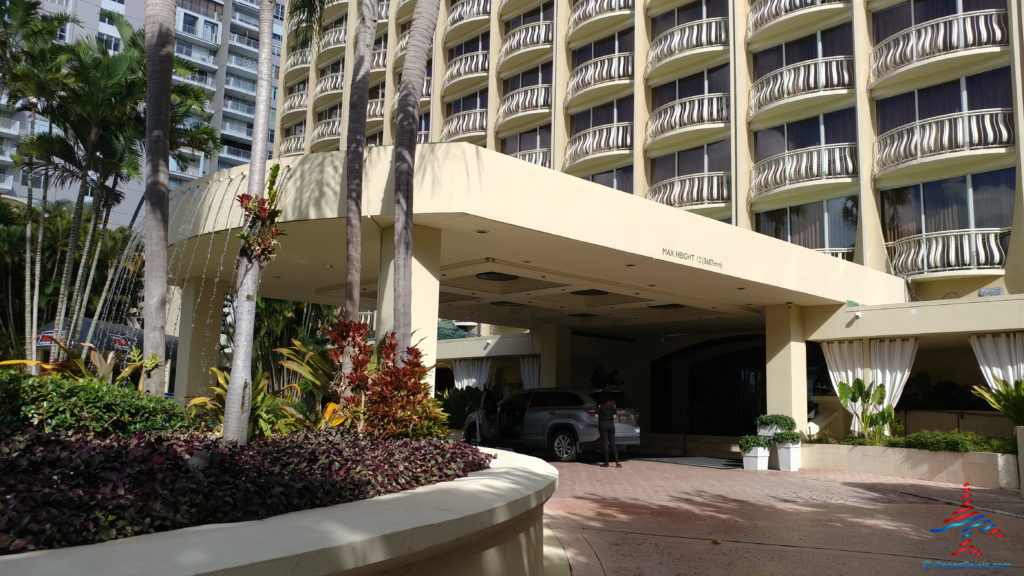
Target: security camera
{"points": [[856, 314]]}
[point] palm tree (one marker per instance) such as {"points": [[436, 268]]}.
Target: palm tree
{"points": [[410, 90]]}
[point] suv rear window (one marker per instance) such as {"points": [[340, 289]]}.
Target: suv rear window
{"points": [[620, 399], [552, 399]]}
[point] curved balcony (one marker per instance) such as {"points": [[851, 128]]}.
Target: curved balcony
{"points": [[383, 12], [523, 108], [592, 19], [334, 9], [405, 9], [292, 145], [328, 90], [540, 156], [378, 66], [294, 107], [944, 45], [687, 48], [297, 64], [943, 142], [326, 135], [611, 143], [403, 46], [424, 98], [686, 121], [467, 126], [374, 114], [332, 44], [774, 21], [707, 190], [981, 249], [465, 73], [816, 166], [525, 46], [599, 80], [827, 82], [466, 19], [841, 253]]}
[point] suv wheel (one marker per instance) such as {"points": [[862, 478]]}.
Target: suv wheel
{"points": [[564, 446]]}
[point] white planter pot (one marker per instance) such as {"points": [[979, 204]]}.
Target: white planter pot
{"points": [[789, 457], [756, 459]]}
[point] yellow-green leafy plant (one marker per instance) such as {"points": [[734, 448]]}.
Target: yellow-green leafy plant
{"points": [[267, 416], [1007, 398]]}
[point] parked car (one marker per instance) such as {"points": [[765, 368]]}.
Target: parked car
{"points": [[560, 420]]}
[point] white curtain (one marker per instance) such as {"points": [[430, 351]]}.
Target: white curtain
{"points": [[891, 361], [1000, 356], [471, 373], [529, 369], [845, 359]]}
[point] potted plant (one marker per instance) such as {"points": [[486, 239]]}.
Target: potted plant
{"points": [[755, 452], [788, 442], [771, 424]]}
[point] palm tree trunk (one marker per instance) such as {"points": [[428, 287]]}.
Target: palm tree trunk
{"points": [[69, 263], [160, 19], [410, 91], [238, 400], [83, 304], [118, 261], [38, 271], [78, 293], [30, 328]]}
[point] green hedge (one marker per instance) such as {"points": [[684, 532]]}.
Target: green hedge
{"points": [[941, 441]]}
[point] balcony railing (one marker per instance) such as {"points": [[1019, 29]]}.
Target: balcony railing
{"points": [[958, 132], [466, 65], [240, 84], [611, 68], [523, 100], [977, 249], [236, 152], [525, 37], [693, 190], [835, 73], [197, 79], [379, 60], [9, 124], [330, 83], [245, 41], [689, 36], [6, 181], [325, 129], [242, 62], [599, 140], [375, 109], [228, 127], [586, 10], [300, 58], [403, 42], [295, 101], [464, 124], [841, 253], [805, 165], [208, 59], [467, 10], [687, 112], [540, 156], [334, 38], [192, 31], [423, 137], [938, 38], [293, 145], [240, 106], [383, 10], [764, 12], [245, 19]]}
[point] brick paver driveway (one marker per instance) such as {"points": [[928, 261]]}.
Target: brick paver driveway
{"points": [[655, 518]]}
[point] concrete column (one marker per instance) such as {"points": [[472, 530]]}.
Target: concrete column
{"points": [[1015, 257], [786, 352], [426, 284], [555, 356], [202, 302], [561, 69], [741, 66]]}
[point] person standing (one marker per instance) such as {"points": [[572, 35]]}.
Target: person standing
{"points": [[606, 417]]}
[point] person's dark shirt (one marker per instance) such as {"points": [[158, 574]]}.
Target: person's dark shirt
{"points": [[605, 415]]}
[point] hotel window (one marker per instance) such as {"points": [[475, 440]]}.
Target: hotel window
{"points": [[710, 158], [700, 10], [375, 139], [829, 43], [298, 87], [619, 111], [279, 12], [336, 23], [620, 179], [474, 101], [295, 129], [618, 43], [543, 13], [839, 127], [896, 19], [377, 91], [711, 81], [822, 225], [329, 113], [538, 138], [540, 76], [479, 44], [985, 91], [973, 201], [113, 44]]}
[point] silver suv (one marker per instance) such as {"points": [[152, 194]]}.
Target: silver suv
{"points": [[561, 420]]}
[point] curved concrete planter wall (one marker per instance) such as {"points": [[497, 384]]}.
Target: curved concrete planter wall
{"points": [[983, 469], [490, 522]]}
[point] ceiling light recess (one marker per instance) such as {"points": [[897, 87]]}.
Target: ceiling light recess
{"points": [[589, 292], [497, 276]]}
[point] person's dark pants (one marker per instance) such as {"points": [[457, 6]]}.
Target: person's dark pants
{"points": [[608, 440]]}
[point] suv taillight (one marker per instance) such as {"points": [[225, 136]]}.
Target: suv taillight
{"points": [[592, 413]]}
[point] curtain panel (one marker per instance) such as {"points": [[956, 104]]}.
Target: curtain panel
{"points": [[529, 369], [845, 360], [999, 356], [891, 361], [471, 373]]}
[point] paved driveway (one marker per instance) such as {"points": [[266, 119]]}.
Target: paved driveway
{"points": [[654, 518]]}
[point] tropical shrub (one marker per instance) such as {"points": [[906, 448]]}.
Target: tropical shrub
{"points": [[876, 418], [459, 403], [1007, 398], [953, 441], [268, 414], [786, 437], [778, 422], [748, 443], [60, 490]]}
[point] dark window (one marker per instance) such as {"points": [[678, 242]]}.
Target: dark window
{"points": [[554, 399]]}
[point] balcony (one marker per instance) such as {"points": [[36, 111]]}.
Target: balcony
{"points": [[424, 98], [246, 20], [9, 126], [980, 249], [523, 108], [466, 19], [239, 85], [423, 137], [600, 80], [374, 114], [687, 49], [250, 44], [197, 80], [841, 253], [405, 9], [819, 166], [292, 145], [383, 12], [326, 135], [790, 92], [686, 122], [297, 65], [467, 126], [7, 182], [243, 64], [706, 190], [378, 66], [602, 145], [332, 44], [294, 107], [540, 156], [334, 9], [525, 46], [328, 90], [239, 108], [774, 21], [943, 47], [465, 73], [236, 129], [203, 60], [592, 19], [235, 153], [403, 45], [948, 142]]}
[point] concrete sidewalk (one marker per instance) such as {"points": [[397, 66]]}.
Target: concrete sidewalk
{"points": [[654, 518]]}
